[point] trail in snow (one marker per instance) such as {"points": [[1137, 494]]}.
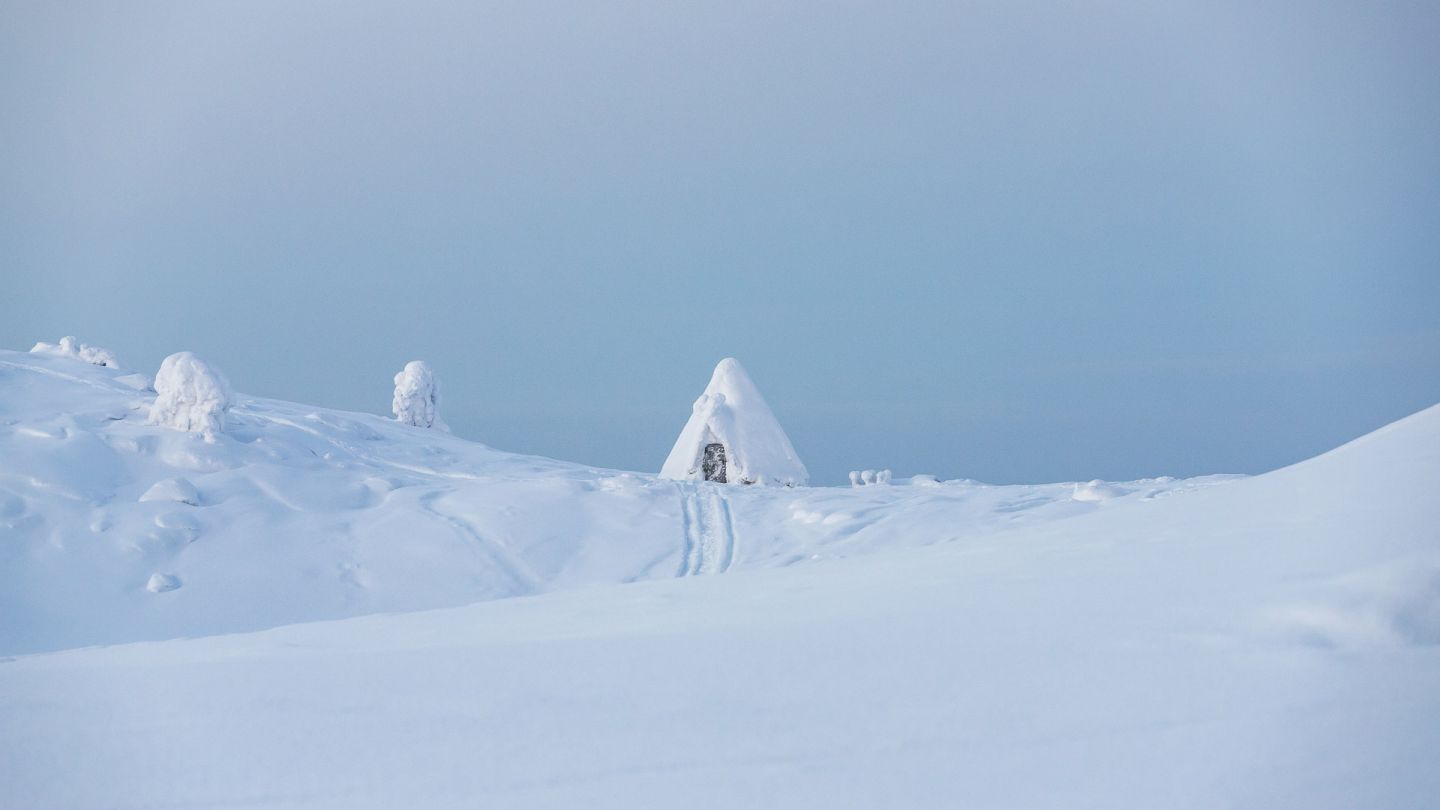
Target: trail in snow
{"points": [[358, 453], [727, 526], [505, 562], [689, 517], [49, 372], [709, 529]]}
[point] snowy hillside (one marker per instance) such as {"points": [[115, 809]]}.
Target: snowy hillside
{"points": [[1260, 642], [118, 530]]}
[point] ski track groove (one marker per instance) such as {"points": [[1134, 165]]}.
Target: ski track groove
{"points": [[689, 521], [731, 543], [525, 582], [708, 527], [365, 457]]}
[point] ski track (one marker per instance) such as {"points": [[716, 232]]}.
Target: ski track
{"points": [[514, 570], [689, 518], [371, 459], [61, 376], [727, 518], [709, 530]]}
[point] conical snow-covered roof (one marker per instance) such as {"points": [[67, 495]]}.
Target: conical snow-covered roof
{"points": [[731, 412]]}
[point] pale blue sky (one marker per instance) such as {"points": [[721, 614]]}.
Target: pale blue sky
{"points": [[1009, 241]]}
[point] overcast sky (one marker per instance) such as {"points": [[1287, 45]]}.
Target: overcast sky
{"points": [[1008, 241]]}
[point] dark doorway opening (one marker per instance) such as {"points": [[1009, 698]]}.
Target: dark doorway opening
{"points": [[713, 464]]}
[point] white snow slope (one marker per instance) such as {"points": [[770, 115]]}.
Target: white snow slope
{"points": [[302, 514], [1263, 642]]}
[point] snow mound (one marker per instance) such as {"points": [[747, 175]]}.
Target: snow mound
{"points": [[160, 583], [175, 490], [732, 413], [74, 349], [138, 382], [190, 395], [417, 396], [1096, 491]]}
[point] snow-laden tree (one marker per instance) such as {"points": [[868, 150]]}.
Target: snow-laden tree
{"points": [[190, 395], [417, 396], [72, 348]]}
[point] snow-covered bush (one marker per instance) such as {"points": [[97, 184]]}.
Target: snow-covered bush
{"points": [[417, 396], [1096, 491], [74, 349], [865, 478], [190, 395]]}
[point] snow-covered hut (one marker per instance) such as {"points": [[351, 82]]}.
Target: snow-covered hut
{"points": [[733, 438]]}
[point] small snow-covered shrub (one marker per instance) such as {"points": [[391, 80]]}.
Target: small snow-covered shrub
{"points": [[1096, 491], [190, 395], [417, 396], [865, 478], [74, 349]]}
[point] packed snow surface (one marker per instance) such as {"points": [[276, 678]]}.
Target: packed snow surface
{"points": [[1241, 642], [732, 413]]}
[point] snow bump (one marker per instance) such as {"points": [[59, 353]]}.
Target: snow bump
{"points": [[178, 490], [160, 583]]}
